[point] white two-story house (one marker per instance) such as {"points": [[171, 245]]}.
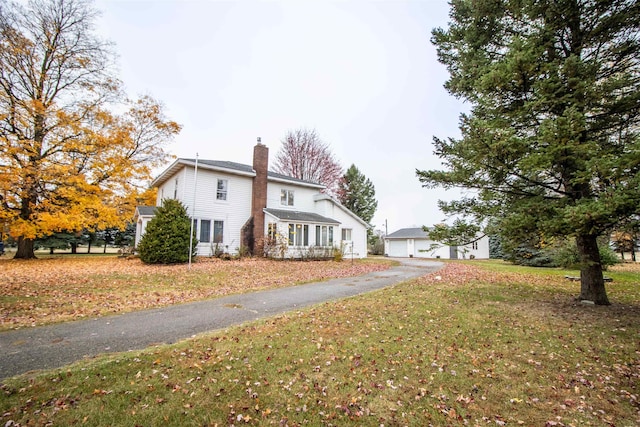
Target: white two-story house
{"points": [[240, 206]]}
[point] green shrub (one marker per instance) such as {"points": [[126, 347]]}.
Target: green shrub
{"points": [[166, 238], [608, 256], [566, 255], [530, 256], [376, 245], [243, 252], [560, 253], [338, 256]]}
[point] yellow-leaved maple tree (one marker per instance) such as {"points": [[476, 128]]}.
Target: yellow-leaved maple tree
{"points": [[67, 161]]}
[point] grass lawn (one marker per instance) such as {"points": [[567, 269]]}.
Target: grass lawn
{"points": [[480, 343], [71, 287]]}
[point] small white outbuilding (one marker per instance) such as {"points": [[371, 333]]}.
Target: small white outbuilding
{"points": [[415, 243]]}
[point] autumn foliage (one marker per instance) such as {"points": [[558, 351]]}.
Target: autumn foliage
{"points": [[304, 155], [67, 160]]}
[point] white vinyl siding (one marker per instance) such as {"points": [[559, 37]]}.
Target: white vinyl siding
{"points": [[478, 249], [357, 246], [173, 188], [303, 197], [232, 214]]}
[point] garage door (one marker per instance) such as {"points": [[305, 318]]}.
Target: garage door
{"points": [[398, 248]]}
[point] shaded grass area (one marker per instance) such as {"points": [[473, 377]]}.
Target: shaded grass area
{"points": [[624, 288], [468, 345], [43, 291]]}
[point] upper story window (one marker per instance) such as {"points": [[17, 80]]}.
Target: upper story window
{"points": [[221, 192], [175, 189], [346, 234], [286, 197], [474, 245]]}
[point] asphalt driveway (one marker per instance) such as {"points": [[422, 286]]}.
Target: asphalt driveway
{"points": [[57, 345]]}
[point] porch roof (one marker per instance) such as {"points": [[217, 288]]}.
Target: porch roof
{"points": [[146, 210], [287, 215]]}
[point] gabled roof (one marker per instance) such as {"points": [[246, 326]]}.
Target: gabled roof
{"points": [[409, 233], [273, 176], [324, 196], [221, 164], [287, 215], [227, 167]]}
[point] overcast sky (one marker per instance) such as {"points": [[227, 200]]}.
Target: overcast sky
{"points": [[362, 73]]}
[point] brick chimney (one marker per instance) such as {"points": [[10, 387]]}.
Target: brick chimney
{"points": [[259, 195]]}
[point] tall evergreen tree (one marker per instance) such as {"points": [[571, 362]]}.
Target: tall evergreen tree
{"points": [[166, 238], [357, 193], [552, 139]]}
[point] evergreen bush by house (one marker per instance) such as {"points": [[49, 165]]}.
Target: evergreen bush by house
{"points": [[166, 238]]}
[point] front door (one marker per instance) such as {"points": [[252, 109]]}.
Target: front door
{"points": [[453, 252]]}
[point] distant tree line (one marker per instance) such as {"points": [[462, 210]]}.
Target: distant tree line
{"points": [[66, 240]]}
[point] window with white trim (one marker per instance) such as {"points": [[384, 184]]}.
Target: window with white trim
{"points": [[298, 235], [324, 235], [286, 197], [272, 231], [205, 231], [474, 246], [346, 234], [222, 188], [175, 189], [218, 231]]}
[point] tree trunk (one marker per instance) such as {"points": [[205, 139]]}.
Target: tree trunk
{"points": [[25, 249], [74, 248], [592, 286]]}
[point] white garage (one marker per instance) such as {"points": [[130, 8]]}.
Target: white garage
{"points": [[415, 243]]}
